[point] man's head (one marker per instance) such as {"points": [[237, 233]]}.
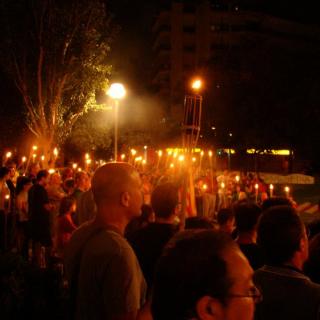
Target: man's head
{"points": [[164, 200], [275, 201], [43, 177], [247, 216], [117, 185], [55, 179], [226, 220], [4, 173], [196, 279], [12, 166], [81, 180], [282, 235], [34, 168]]}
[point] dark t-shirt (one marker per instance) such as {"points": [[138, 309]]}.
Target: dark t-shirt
{"points": [[39, 215], [148, 244], [253, 254]]}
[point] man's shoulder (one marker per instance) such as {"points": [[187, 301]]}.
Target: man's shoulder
{"points": [[270, 274], [153, 231]]}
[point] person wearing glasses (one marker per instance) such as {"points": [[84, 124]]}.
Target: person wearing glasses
{"points": [[203, 275], [287, 292]]}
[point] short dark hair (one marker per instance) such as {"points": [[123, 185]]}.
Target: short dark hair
{"points": [[198, 223], [21, 182], [42, 174], [224, 215], [275, 201], [191, 267], [164, 200], [280, 230], [3, 172], [247, 216]]}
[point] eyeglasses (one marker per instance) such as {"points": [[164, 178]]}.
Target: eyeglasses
{"points": [[253, 293]]}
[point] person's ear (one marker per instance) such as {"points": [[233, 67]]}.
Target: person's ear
{"points": [[125, 199], [209, 308]]}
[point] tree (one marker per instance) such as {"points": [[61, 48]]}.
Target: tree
{"points": [[91, 133], [56, 52]]}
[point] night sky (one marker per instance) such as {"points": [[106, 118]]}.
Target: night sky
{"points": [[131, 54]]}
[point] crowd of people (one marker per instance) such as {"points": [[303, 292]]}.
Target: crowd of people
{"points": [[125, 252]]}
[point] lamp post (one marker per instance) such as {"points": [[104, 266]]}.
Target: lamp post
{"points": [[190, 134], [116, 92]]}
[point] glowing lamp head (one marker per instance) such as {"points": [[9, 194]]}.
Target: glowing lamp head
{"points": [[271, 187], [7, 197], [210, 153], [51, 171], [201, 153], [34, 148], [237, 178], [160, 153], [194, 159], [181, 158], [74, 166], [123, 156], [87, 156], [133, 152], [34, 156], [55, 152], [171, 165], [8, 154], [145, 147], [196, 84], [24, 159], [256, 186], [204, 187], [223, 185], [42, 158], [88, 161], [144, 161], [286, 189], [116, 91]]}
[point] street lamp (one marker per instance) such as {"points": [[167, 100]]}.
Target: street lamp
{"points": [[116, 92]]}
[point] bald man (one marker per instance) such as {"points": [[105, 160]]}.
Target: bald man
{"points": [[105, 278]]}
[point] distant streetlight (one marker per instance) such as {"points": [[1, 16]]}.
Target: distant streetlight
{"points": [[196, 84], [116, 92]]}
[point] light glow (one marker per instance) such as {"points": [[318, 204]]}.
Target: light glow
{"points": [[283, 152], [116, 91], [196, 84]]}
